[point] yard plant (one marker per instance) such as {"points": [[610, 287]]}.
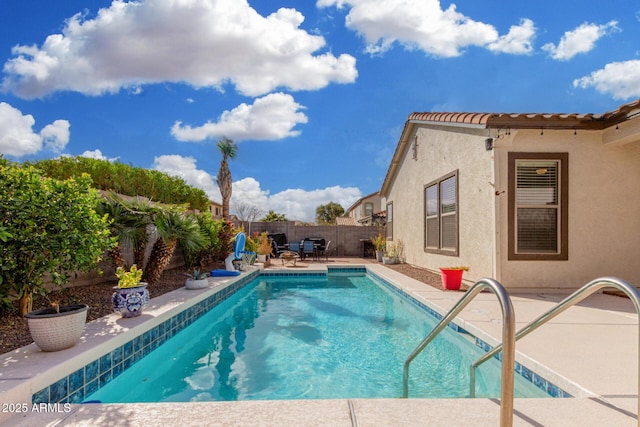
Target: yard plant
{"points": [[47, 227]]}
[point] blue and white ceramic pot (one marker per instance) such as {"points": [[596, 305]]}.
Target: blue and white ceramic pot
{"points": [[130, 301]]}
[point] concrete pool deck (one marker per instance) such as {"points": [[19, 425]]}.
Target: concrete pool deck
{"points": [[591, 351]]}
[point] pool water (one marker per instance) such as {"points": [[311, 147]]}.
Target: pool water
{"points": [[340, 336]]}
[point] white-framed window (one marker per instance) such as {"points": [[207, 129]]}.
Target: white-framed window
{"points": [[441, 215], [368, 209], [538, 206]]}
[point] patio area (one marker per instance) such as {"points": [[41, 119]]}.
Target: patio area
{"points": [[591, 351]]}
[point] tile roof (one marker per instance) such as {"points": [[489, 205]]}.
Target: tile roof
{"points": [[345, 220], [532, 120], [510, 121]]}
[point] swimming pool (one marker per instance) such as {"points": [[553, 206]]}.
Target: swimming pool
{"points": [[328, 336]]}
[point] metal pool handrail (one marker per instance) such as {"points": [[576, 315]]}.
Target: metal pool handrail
{"points": [[573, 299], [508, 339]]}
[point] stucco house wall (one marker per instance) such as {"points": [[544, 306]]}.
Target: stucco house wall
{"points": [[442, 150], [604, 210], [603, 161]]}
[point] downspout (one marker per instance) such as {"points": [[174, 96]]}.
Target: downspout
{"points": [[496, 214]]}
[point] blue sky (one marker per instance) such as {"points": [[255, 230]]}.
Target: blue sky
{"points": [[314, 93]]}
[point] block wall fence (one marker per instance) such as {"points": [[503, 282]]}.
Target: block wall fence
{"points": [[346, 240]]}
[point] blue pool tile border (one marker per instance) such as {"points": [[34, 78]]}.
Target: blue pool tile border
{"points": [[75, 387], [532, 377], [293, 274]]}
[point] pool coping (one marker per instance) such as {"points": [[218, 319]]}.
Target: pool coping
{"points": [[104, 336]]}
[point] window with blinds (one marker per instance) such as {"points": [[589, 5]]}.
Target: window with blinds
{"points": [[538, 206], [389, 226], [441, 215], [432, 218]]}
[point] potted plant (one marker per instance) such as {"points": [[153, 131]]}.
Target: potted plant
{"points": [[452, 277], [57, 327], [390, 254], [379, 243], [250, 250], [264, 248], [130, 295], [196, 279]]}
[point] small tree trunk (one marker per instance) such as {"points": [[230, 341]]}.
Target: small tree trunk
{"points": [[159, 259], [117, 259], [138, 254], [26, 303]]}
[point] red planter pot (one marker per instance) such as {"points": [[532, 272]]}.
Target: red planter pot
{"points": [[451, 279]]}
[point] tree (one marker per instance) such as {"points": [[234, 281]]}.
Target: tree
{"points": [[229, 149], [274, 217], [327, 214], [247, 211], [46, 226], [129, 219], [172, 227]]}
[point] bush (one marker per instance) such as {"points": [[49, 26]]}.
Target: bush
{"points": [[128, 180], [46, 226], [210, 229]]}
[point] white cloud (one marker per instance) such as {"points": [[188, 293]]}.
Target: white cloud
{"points": [[248, 191], [296, 204], [185, 168], [202, 43], [301, 204], [517, 41], [621, 80], [17, 137], [423, 24], [97, 154], [56, 135], [581, 40], [94, 154], [269, 118]]}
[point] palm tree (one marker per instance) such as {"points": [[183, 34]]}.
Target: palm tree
{"points": [[131, 217], [142, 211], [229, 149], [274, 217], [172, 227]]}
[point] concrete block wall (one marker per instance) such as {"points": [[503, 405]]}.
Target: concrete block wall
{"points": [[345, 240]]}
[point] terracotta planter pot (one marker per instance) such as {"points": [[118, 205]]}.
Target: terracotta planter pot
{"points": [[52, 331], [451, 279]]}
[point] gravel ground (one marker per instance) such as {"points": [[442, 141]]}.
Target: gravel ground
{"points": [[14, 332]]}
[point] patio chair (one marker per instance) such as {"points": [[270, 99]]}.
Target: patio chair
{"points": [[294, 247], [324, 251], [308, 248]]}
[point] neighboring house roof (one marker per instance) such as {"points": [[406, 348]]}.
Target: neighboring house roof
{"points": [[508, 121], [342, 220]]}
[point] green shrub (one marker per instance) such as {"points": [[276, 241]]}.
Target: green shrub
{"points": [[46, 226], [128, 180]]}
